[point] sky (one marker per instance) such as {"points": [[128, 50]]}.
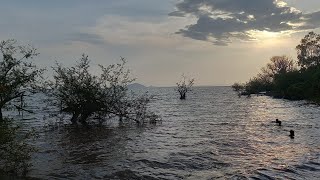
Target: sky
{"points": [[217, 42]]}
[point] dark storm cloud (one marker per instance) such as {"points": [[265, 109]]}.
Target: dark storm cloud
{"points": [[219, 21]]}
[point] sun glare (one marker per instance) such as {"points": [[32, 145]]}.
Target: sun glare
{"points": [[262, 35], [267, 39]]}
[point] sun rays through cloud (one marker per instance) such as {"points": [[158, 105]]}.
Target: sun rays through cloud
{"points": [[223, 22]]}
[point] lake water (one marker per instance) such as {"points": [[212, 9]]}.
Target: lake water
{"points": [[213, 134]]}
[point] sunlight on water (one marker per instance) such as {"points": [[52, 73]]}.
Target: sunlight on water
{"points": [[213, 134]]}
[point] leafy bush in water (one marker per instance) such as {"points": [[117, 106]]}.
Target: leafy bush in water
{"points": [[17, 73], [183, 86], [83, 95], [15, 153], [238, 87]]}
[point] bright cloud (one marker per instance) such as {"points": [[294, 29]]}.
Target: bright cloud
{"points": [[222, 22]]}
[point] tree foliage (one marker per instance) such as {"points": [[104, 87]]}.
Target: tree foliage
{"points": [[238, 87], [15, 152], [17, 73], [184, 85], [84, 95], [309, 50], [264, 81], [278, 65]]}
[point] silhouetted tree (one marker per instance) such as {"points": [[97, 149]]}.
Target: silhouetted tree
{"points": [[17, 74], [278, 65], [264, 81], [256, 85], [238, 87], [83, 95], [309, 50], [184, 86]]}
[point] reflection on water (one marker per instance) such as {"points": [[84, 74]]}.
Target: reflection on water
{"points": [[213, 134]]}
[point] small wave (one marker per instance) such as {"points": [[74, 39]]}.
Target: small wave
{"points": [[129, 175]]}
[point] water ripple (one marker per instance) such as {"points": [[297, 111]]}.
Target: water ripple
{"points": [[212, 135]]}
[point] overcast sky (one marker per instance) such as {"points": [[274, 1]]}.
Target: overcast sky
{"points": [[217, 42]]}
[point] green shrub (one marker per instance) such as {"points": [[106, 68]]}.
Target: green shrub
{"points": [[15, 152]]}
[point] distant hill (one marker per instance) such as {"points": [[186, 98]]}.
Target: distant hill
{"points": [[136, 86]]}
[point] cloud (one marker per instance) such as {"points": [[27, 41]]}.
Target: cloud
{"points": [[312, 20], [126, 31], [222, 21], [87, 38]]}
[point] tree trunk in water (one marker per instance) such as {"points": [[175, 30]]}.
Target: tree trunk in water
{"points": [[84, 117], [1, 118], [183, 96], [74, 118]]}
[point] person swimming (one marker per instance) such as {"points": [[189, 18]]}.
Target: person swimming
{"points": [[278, 122], [291, 134]]}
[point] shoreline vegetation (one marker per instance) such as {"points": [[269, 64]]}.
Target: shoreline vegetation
{"points": [[289, 79]]}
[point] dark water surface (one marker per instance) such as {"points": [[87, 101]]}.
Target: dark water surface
{"points": [[211, 135]]}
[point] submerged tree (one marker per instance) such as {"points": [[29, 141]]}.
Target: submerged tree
{"points": [[84, 95], [17, 74], [184, 86], [238, 87], [15, 152]]}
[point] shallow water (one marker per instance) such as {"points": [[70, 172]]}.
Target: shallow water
{"points": [[211, 135]]}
